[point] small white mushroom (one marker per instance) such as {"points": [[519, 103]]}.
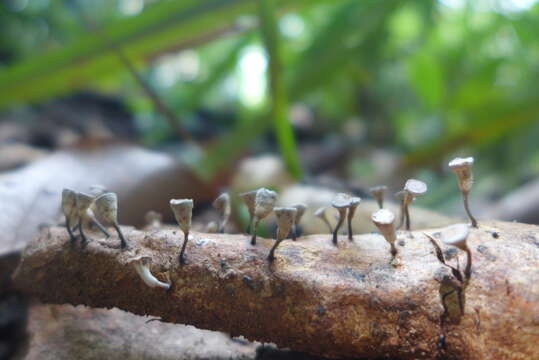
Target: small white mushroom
{"points": [[106, 206], [69, 208], [463, 169], [183, 212], [264, 202], [341, 202], [378, 193], [153, 219], [142, 266], [285, 220], [299, 214], [457, 235], [412, 189], [85, 213], [385, 222], [222, 204], [354, 202], [321, 214], [249, 200]]}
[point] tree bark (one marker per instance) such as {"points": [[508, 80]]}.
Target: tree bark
{"points": [[348, 301]]}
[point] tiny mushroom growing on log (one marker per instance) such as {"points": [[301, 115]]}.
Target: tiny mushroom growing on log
{"points": [[457, 235], [299, 214], [285, 220], [321, 214], [264, 202], [183, 212], [85, 214], [354, 202], [385, 222], [142, 266], [222, 204], [249, 200], [69, 208], [106, 206], [378, 193], [341, 202], [463, 169], [412, 189], [154, 220]]}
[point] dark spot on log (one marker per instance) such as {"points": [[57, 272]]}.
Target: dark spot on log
{"points": [[450, 253], [401, 243], [403, 316], [224, 265], [201, 242], [321, 310], [441, 342], [495, 235], [485, 251], [254, 285]]}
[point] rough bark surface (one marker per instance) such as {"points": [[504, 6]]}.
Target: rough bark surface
{"points": [[336, 302]]}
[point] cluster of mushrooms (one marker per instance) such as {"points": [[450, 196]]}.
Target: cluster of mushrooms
{"points": [[80, 209]]}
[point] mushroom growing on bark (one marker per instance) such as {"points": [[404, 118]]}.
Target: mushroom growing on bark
{"points": [[69, 208], [457, 235], [412, 189], [354, 202], [106, 206], [385, 222], [264, 202], [142, 266], [463, 169], [378, 193], [341, 202], [285, 220], [321, 214], [299, 214], [222, 204], [249, 200], [86, 214], [183, 212]]}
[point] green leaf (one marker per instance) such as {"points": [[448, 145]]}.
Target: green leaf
{"points": [[427, 78]]}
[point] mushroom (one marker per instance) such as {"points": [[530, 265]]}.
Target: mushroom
{"points": [[341, 202], [354, 202], [142, 266], [153, 219], [378, 193], [222, 204], [183, 212], [385, 222], [106, 206], [249, 200], [321, 214], [457, 235], [69, 208], [299, 214], [285, 220], [412, 189], [463, 169], [264, 202], [85, 213]]}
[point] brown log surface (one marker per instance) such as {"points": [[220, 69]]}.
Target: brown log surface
{"points": [[335, 302]]}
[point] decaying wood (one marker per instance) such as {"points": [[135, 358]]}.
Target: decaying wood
{"points": [[337, 302]]}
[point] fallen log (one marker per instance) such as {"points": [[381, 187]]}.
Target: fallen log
{"points": [[350, 301]]}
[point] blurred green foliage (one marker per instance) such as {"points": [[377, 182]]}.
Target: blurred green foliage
{"points": [[426, 79]]}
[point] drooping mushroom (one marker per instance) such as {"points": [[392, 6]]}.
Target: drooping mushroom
{"points": [[285, 220], [69, 208], [378, 193], [341, 202], [222, 204], [354, 202], [321, 214], [264, 202], [385, 222], [249, 200], [412, 189], [142, 267], [463, 169], [183, 212], [299, 214], [86, 214], [106, 206], [457, 235]]}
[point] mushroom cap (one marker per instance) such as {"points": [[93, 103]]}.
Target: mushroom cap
{"points": [[355, 201], [456, 235], [183, 212], [69, 201], [301, 208], [383, 217], [107, 206], [341, 201], [285, 219], [378, 190], [222, 201], [264, 202], [415, 187], [153, 216], [84, 201], [460, 163], [320, 212]]}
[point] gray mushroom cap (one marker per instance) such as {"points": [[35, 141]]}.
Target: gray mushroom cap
{"points": [[341, 201], [378, 190], [249, 200], [69, 202], [354, 202], [106, 206], [84, 202], [285, 220], [222, 202], [415, 187], [456, 235], [320, 212], [301, 208], [264, 202], [183, 212]]}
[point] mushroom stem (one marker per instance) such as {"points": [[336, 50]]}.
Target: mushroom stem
{"points": [[349, 219], [342, 215], [99, 226], [271, 255], [182, 251], [294, 233], [407, 217], [468, 268], [467, 208], [70, 232], [120, 235], [254, 225], [146, 275], [249, 225], [82, 235]]}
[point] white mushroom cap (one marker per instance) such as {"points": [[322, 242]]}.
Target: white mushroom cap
{"points": [[355, 201], [456, 235], [378, 190], [249, 200], [84, 202], [415, 187], [264, 202], [222, 202], [106, 206], [463, 169], [301, 208], [341, 201], [320, 212], [183, 212], [285, 220], [460, 163], [383, 217], [69, 202]]}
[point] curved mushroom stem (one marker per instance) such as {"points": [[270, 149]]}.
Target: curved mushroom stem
{"points": [[83, 237], [407, 217], [255, 229], [338, 226], [468, 268], [182, 251], [402, 214], [120, 235], [249, 226], [326, 221], [271, 255], [294, 232], [100, 227], [467, 208], [71, 235]]}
